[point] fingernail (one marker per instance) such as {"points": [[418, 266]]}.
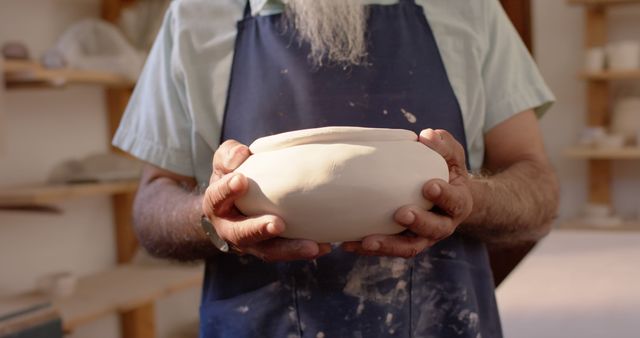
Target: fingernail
{"points": [[235, 183], [371, 246], [425, 133], [434, 190], [274, 228], [407, 218]]}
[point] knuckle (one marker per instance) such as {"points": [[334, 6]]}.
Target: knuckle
{"points": [[218, 193], [221, 151], [228, 144], [237, 235], [260, 231], [215, 176], [221, 155], [237, 149], [457, 210], [410, 252], [452, 204], [421, 223]]}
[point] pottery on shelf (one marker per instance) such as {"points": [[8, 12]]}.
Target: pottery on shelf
{"points": [[623, 55], [626, 118], [338, 184], [611, 141], [15, 50]]}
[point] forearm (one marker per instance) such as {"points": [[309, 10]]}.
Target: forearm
{"points": [[517, 204], [167, 221]]}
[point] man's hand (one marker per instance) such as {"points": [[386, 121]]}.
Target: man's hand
{"points": [[257, 236], [453, 200]]}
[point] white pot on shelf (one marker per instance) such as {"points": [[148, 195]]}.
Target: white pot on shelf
{"points": [[626, 118], [611, 142], [623, 55], [338, 184], [595, 60]]}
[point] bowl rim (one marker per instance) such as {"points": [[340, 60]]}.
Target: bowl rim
{"points": [[333, 134]]}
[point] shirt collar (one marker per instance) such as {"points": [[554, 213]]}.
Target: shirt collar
{"points": [[266, 7]]}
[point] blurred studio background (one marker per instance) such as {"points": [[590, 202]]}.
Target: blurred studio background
{"points": [[68, 258]]}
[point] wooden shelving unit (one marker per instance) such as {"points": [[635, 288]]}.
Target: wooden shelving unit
{"points": [[603, 2], [612, 75], [123, 289], [44, 194], [130, 291], [598, 103], [581, 225], [626, 153], [20, 74]]}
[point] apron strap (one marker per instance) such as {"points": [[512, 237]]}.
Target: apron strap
{"points": [[247, 9]]}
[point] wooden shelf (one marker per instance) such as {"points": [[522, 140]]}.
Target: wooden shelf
{"points": [[603, 2], [122, 289], [626, 153], [44, 194], [19, 74], [612, 75], [580, 225]]}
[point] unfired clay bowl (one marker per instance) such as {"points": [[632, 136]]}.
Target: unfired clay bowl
{"points": [[338, 184]]}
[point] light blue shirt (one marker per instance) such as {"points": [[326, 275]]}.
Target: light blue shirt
{"points": [[174, 118]]}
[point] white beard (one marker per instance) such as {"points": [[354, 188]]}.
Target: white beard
{"points": [[335, 29]]}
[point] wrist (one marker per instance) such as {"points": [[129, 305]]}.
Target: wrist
{"points": [[480, 187]]}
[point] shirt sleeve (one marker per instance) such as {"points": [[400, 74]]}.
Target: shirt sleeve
{"points": [[511, 79], [156, 126]]}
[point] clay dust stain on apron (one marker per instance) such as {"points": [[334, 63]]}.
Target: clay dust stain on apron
{"points": [[409, 116]]}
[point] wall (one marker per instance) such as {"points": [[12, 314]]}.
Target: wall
{"points": [[40, 128], [558, 40]]}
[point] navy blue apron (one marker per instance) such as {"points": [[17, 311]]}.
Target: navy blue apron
{"points": [[446, 291]]}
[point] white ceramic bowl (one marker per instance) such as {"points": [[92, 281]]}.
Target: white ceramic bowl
{"points": [[597, 210], [623, 55], [337, 184], [603, 222], [612, 141], [590, 135], [626, 118]]}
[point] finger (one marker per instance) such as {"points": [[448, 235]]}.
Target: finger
{"points": [[425, 223], [351, 246], [229, 156], [325, 248], [243, 232], [454, 200], [283, 249], [394, 245], [221, 194], [444, 144]]}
